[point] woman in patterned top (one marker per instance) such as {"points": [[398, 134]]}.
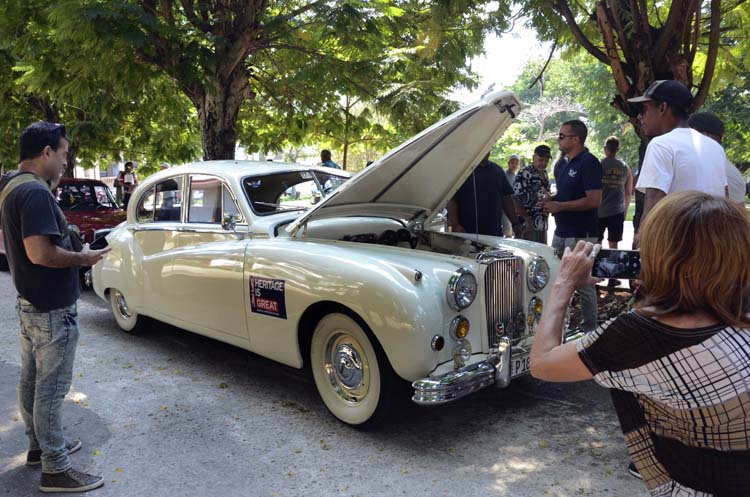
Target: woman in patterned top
{"points": [[678, 366]]}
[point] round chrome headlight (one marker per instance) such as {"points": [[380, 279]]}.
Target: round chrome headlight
{"points": [[462, 289], [537, 274]]}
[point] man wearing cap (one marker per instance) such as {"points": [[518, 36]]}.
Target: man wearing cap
{"points": [[710, 125], [678, 158], [478, 205], [529, 188], [513, 163], [617, 188], [575, 205]]}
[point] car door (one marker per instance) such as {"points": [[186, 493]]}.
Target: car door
{"points": [[155, 233], [206, 276]]}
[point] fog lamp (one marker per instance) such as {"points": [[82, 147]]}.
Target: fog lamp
{"points": [[461, 353], [535, 313], [459, 327]]}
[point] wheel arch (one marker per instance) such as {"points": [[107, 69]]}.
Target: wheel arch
{"points": [[317, 311]]}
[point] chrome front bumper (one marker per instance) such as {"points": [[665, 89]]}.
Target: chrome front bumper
{"points": [[495, 370]]}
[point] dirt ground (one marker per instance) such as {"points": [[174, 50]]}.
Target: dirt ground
{"points": [[613, 301]]}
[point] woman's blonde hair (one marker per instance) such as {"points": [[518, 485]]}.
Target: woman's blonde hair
{"points": [[695, 256]]}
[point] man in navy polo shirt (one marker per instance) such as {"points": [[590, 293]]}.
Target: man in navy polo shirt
{"points": [[576, 204]]}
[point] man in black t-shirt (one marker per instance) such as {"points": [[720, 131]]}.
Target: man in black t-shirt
{"points": [[576, 203], [493, 196], [45, 273]]}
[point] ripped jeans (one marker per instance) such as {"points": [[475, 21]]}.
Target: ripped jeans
{"points": [[48, 347]]}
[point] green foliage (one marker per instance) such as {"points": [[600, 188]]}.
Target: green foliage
{"points": [[63, 71], [575, 86]]}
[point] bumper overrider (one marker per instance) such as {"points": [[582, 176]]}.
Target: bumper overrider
{"points": [[495, 370]]}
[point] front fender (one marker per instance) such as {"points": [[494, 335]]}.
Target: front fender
{"points": [[399, 293]]}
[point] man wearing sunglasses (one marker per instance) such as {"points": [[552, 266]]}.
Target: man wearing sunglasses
{"points": [[677, 158], [576, 203]]}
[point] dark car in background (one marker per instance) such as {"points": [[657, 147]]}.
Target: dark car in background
{"points": [[89, 205]]}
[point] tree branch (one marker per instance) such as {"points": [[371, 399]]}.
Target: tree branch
{"points": [[188, 6], [713, 50], [614, 57], [564, 9], [677, 13], [549, 59]]}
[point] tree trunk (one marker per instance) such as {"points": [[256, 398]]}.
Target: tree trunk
{"points": [[218, 109], [73, 147], [347, 117]]}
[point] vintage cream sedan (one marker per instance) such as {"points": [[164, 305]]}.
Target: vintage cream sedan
{"points": [[363, 287]]}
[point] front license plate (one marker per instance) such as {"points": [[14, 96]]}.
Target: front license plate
{"points": [[519, 365]]}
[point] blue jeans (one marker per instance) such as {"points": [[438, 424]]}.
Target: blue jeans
{"points": [[588, 293], [48, 348]]}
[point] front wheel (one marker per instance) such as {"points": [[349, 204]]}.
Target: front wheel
{"points": [[354, 379], [127, 319]]}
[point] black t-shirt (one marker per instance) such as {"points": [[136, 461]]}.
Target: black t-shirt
{"points": [[581, 173], [491, 186], [29, 210]]}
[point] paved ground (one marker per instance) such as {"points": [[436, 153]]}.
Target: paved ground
{"points": [[173, 414]]}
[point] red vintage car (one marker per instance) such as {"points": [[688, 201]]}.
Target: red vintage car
{"points": [[89, 205]]}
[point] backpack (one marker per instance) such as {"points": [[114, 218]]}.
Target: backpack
{"points": [[76, 240]]}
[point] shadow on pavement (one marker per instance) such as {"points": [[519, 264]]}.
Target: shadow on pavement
{"points": [[17, 479]]}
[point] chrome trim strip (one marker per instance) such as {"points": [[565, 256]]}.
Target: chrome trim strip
{"points": [[453, 385]]}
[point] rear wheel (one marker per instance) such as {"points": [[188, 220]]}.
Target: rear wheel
{"points": [[352, 375], [127, 319]]}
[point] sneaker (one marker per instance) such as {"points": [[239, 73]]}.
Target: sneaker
{"points": [[634, 471], [34, 457], [70, 481]]}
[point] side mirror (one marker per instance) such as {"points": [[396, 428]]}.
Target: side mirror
{"points": [[229, 222]]}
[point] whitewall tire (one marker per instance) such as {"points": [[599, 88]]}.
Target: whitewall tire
{"points": [[351, 373], [127, 319]]}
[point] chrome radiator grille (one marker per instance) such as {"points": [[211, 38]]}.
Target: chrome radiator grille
{"points": [[503, 292]]}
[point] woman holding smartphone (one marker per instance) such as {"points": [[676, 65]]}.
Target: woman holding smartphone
{"points": [[677, 366]]}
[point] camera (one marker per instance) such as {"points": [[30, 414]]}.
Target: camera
{"points": [[617, 264]]}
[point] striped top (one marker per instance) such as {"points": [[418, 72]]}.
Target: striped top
{"points": [[683, 400]]}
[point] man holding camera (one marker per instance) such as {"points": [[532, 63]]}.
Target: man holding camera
{"points": [[44, 267]]}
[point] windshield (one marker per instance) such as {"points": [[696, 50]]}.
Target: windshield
{"points": [[85, 196], [289, 191]]}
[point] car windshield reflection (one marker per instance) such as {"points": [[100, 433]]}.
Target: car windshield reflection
{"points": [[289, 191]]}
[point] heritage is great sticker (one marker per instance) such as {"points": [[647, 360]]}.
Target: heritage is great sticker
{"points": [[268, 296]]}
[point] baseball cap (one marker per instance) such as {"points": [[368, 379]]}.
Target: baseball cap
{"points": [[543, 151], [706, 122], [515, 156], [667, 90]]}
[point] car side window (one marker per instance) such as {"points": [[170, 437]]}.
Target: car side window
{"points": [[168, 200], [205, 204], [145, 211], [229, 206]]}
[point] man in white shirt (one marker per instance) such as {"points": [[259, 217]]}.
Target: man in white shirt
{"points": [[710, 125], [678, 158]]}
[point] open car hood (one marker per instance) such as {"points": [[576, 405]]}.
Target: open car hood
{"points": [[415, 180]]}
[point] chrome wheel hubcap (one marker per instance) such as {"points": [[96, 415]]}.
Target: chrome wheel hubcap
{"points": [[122, 305], [346, 368]]}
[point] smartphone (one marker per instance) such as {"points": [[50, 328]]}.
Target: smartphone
{"points": [[617, 264]]}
